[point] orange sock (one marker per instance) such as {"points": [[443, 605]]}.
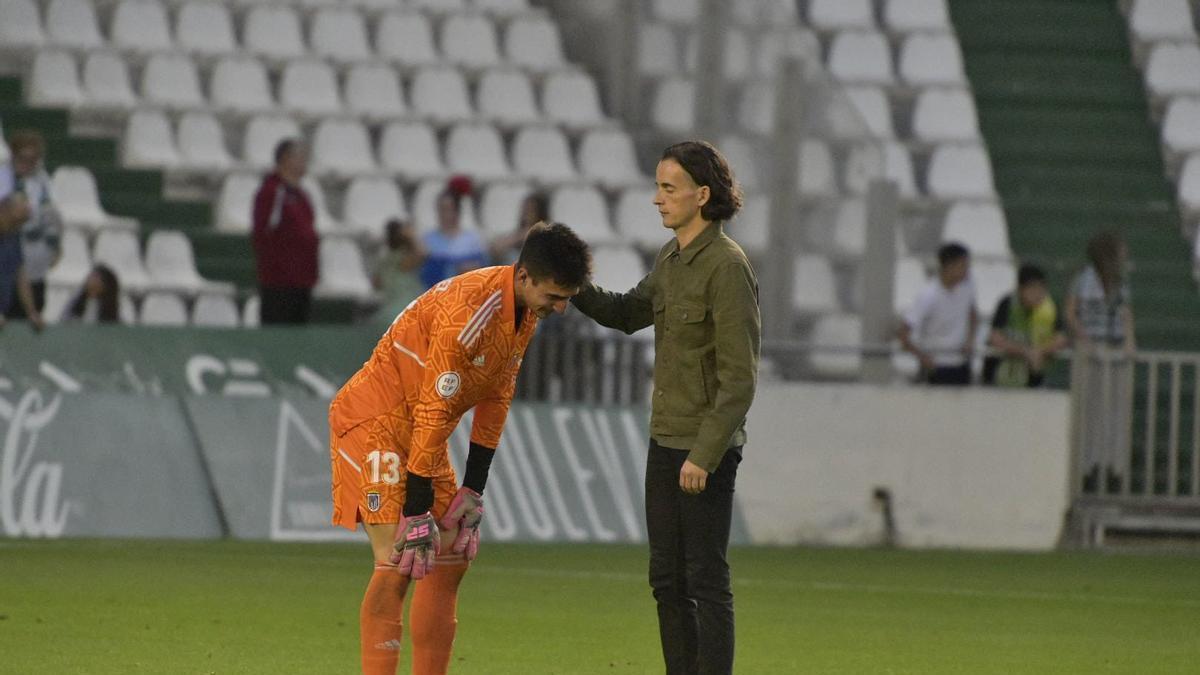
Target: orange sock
{"points": [[379, 620], [433, 616]]}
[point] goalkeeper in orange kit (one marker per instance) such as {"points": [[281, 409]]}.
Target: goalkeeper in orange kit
{"points": [[456, 347]]}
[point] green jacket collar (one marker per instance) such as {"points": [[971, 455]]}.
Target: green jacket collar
{"points": [[703, 239]]}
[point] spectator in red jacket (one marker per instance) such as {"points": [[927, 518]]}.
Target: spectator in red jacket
{"points": [[285, 242]]}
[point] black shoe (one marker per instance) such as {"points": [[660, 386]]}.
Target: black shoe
{"points": [[1091, 480], [1112, 481]]}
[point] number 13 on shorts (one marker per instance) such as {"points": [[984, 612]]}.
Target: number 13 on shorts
{"points": [[389, 462]]}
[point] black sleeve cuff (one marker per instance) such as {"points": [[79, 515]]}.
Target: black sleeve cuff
{"points": [[418, 496], [479, 461]]}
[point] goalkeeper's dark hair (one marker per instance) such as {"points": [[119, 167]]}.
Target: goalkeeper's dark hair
{"points": [[553, 251], [707, 166]]}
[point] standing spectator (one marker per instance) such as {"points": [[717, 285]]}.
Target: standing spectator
{"points": [[535, 208], [396, 272], [1100, 314], [24, 195], [1027, 330], [41, 233], [452, 249], [285, 242], [702, 299], [940, 327], [99, 300]]}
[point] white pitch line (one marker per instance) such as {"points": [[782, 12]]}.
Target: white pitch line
{"points": [[841, 587]]}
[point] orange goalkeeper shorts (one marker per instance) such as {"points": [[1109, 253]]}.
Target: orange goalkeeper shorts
{"points": [[369, 478]]}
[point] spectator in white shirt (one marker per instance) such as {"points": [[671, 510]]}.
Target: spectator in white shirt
{"points": [[939, 328]]}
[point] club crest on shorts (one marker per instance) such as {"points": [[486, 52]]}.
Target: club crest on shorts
{"points": [[447, 384], [374, 501]]}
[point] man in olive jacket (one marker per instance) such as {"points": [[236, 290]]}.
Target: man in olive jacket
{"points": [[702, 298]]}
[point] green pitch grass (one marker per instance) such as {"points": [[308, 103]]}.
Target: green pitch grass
{"points": [[229, 607]]}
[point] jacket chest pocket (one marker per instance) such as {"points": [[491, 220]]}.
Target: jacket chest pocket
{"points": [[688, 321]]}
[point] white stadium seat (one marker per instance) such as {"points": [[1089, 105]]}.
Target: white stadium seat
{"points": [[582, 208], [273, 31], [72, 23], [140, 26], [74, 263], [505, 97], [861, 57], [239, 84], [993, 280], [1173, 69], [751, 226], [205, 28], [339, 34], [78, 200], [835, 340], [20, 25], [171, 263], [905, 16], [849, 236], [149, 141], [744, 159], [830, 15], [814, 290], [500, 206], [406, 38], [639, 221], [250, 312], [235, 202], [658, 51], [1181, 125], [324, 223], [868, 161], [201, 143], [674, 106], [342, 148], [676, 11], [816, 169], [439, 93], [927, 60], [778, 43], [765, 12], [541, 154], [106, 82], [617, 268], [960, 172], [476, 150], [980, 226], [373, 91], [121, 252], [1189, 186], [163, 309], [214, 311], [309, 87], [54, 80], [469, 40], [908, 279], [1158, 20], [869, 114], [756, 109], [534, 43], [342, 272], [171, 80], [607, 157], [263, 133], [737, 61], [370, 202], [571, 99], [945, 115], [411, 150]]}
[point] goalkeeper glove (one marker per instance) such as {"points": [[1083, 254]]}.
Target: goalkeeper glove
{"points": [[465, 513], [417, 545]]}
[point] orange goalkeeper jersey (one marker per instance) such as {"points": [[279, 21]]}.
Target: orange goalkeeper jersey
{"points": [[454, 348]]}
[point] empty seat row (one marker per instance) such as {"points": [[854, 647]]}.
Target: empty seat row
{"points": [[164, 308], [168, 265], [897, 15], [275, 31], [1161, 20], [241, 85]]}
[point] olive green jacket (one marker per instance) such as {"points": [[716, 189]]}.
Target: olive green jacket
{"points": [[703, 302]]}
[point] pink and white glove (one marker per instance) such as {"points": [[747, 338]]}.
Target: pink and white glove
{"points": [[465, 513], [417, 545]]}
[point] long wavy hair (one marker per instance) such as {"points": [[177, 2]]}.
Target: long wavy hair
{"points": [[1104, 252]]}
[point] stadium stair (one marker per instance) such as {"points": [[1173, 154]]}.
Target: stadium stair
{"points": [[137, 193], [1062, 108]]}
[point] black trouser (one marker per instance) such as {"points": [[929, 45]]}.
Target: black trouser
{"points": [[282, 304], [17, 311], [689, 575], [951, 375]]}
